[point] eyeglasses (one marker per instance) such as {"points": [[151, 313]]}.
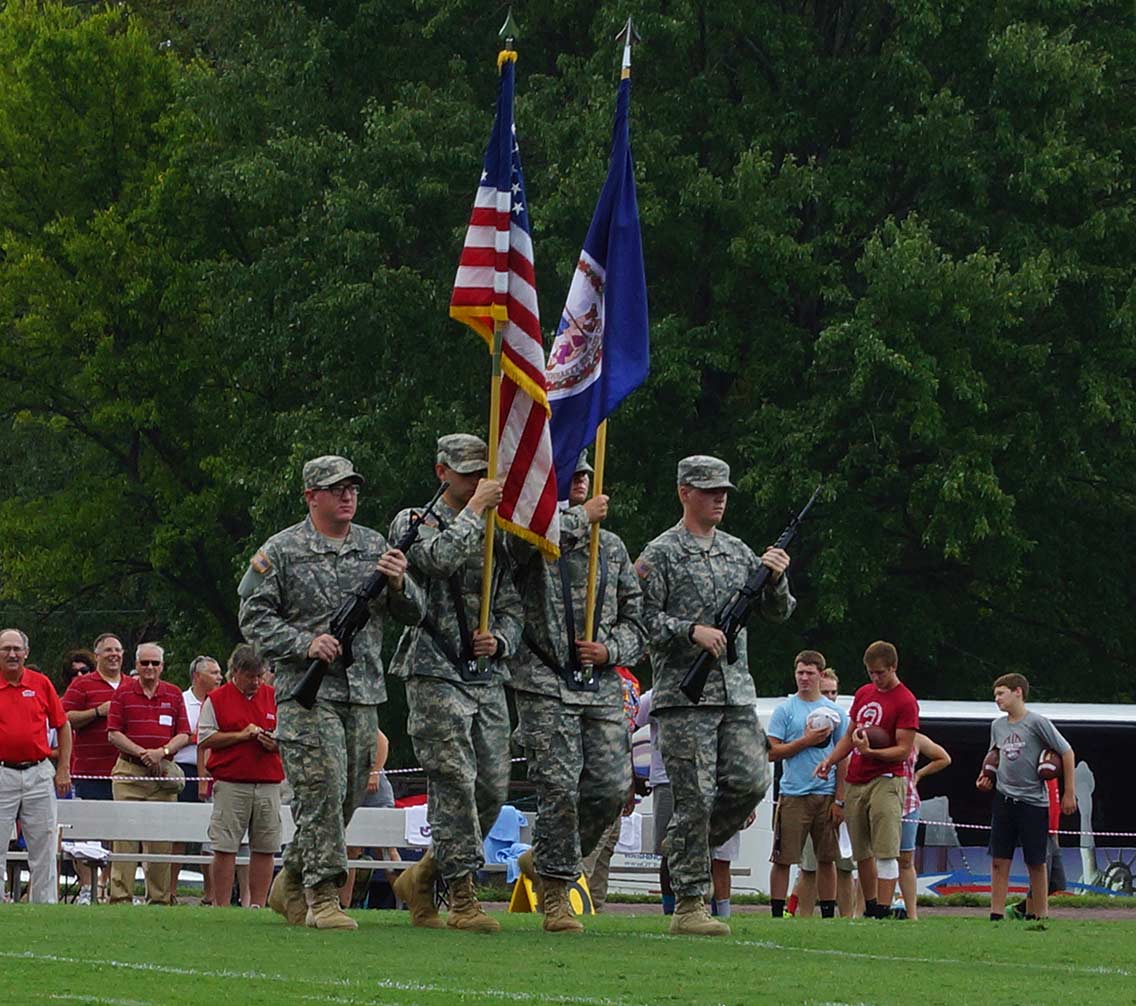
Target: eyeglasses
{"points": [[343, 489], [830, 692], [149, 663]]}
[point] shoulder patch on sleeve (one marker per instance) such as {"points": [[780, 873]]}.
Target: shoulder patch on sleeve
{"points": [[260, 563], [643, 568]]}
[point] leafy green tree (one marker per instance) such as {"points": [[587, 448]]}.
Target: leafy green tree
{"points": [[889, 246]]}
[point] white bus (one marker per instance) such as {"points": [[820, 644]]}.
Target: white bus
{"points": [[1098, 850]]}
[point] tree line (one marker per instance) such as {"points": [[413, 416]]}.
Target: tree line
{"points": [[890, 249]]}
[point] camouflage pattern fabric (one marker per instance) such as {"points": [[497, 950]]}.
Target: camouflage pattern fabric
{"points": [[684, 585], [620, 625], [461, 739], [433, 558], [327, 753], [294, 585], [719, 771], [579, 760]]}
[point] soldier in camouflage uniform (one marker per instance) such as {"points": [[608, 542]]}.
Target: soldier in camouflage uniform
{"points": [[459, 718], [293, 587], [715, 752], [574, 739]]}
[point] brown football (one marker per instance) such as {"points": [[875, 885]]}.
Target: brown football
{"points": [[878, 737], [1048, 765], [990, 764]]}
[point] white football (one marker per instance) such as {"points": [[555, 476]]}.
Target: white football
{"points": [[820, 719]]}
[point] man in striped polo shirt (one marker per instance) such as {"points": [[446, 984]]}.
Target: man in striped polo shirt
{"points": [[148, 725]]}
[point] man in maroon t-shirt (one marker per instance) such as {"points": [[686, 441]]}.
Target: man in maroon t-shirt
{"points": [[87, 702], [148, 725], [876, 784], [28, 780]]}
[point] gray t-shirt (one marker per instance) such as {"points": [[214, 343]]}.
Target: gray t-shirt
{"points": [[1019, 748]]}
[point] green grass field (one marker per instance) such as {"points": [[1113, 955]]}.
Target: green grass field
{"points": [[137, 956]]}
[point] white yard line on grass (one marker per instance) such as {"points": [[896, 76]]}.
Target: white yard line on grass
{"points": [[896, 958], [343, 983], [99, 1000]]}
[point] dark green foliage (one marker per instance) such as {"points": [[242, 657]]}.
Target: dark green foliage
{"points": [[889, 246]]}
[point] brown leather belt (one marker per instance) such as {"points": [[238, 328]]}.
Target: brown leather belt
{"points": [[132, 759], [21, 766]]}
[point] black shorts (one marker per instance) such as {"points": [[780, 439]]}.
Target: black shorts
{"points": [[1014, 823]]}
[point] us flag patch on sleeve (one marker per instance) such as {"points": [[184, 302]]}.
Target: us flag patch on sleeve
{"points": [[643, 568], [260, 563]]}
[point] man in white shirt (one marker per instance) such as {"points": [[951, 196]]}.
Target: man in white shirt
{"points": [[204, 676]]}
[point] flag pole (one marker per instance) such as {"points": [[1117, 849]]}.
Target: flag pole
{"points": [[628, 36], [594, 543], [508, 32]]}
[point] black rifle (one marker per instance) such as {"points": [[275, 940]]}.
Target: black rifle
{"points": [[732, 618], [355, 612]]}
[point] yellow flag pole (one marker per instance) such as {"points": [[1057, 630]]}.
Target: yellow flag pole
{"points": [[594, 543], [493, 438]]}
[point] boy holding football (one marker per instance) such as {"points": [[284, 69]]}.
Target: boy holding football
{"points": [[801, 732], [1020, 815]]}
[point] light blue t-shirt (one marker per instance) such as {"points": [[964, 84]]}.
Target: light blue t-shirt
{"points": [[788, 723]]}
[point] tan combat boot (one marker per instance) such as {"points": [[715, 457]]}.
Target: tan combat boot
{"points": [[287, 898], [323, 908], [558, 914], [691, 919], [415, 887], [527, 866], [466, 911]]}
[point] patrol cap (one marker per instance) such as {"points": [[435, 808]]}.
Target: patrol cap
{"points": [[329, 470], [582, 463], [704, 472], [463, 452]]}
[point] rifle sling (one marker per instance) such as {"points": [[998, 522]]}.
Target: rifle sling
{"points": [[465, 662], [572, 674]]}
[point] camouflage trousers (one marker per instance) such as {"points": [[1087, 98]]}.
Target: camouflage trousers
{"points": [[579, 760], [718, 766], [328, 752], [461, 740]]}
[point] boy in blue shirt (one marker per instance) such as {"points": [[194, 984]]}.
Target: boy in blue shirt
{"points": [[802, 732]]}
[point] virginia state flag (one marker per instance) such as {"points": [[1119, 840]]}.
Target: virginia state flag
{"points": [[600, 354]]}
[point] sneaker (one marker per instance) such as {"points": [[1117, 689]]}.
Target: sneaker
{"points": [[84, 897]]}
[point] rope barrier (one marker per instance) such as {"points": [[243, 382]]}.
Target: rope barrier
{"points": [[420, 770]]}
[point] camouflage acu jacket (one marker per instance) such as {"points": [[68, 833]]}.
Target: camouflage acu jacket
{"points": [[293, 587], [433, 559], [619, 626], [684, 585]]}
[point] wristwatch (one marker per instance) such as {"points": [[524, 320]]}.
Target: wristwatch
{"points": [[166, 752], [839, 803]]}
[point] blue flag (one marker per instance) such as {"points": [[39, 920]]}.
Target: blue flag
{"points": [[600, 354]]}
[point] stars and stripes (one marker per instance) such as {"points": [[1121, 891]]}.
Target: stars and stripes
{"points": [[496, 282]]}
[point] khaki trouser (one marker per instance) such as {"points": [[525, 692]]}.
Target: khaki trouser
{"points": [[122, 873], [29, 795]]}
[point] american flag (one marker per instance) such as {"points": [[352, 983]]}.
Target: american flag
{"points": [[496, 280]]}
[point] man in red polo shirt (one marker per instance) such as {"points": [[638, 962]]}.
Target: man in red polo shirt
{"points": [[876, 781], [148, 725], [238, 728], [28, 780], [87, 703]]}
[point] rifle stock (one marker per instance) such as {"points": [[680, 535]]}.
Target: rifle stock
{"points": [[733, 616], [353, 615]]}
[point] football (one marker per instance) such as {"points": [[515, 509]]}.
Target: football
{"points": [[990, 764], [1048, 765], [878, 737], [818, 719]]}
